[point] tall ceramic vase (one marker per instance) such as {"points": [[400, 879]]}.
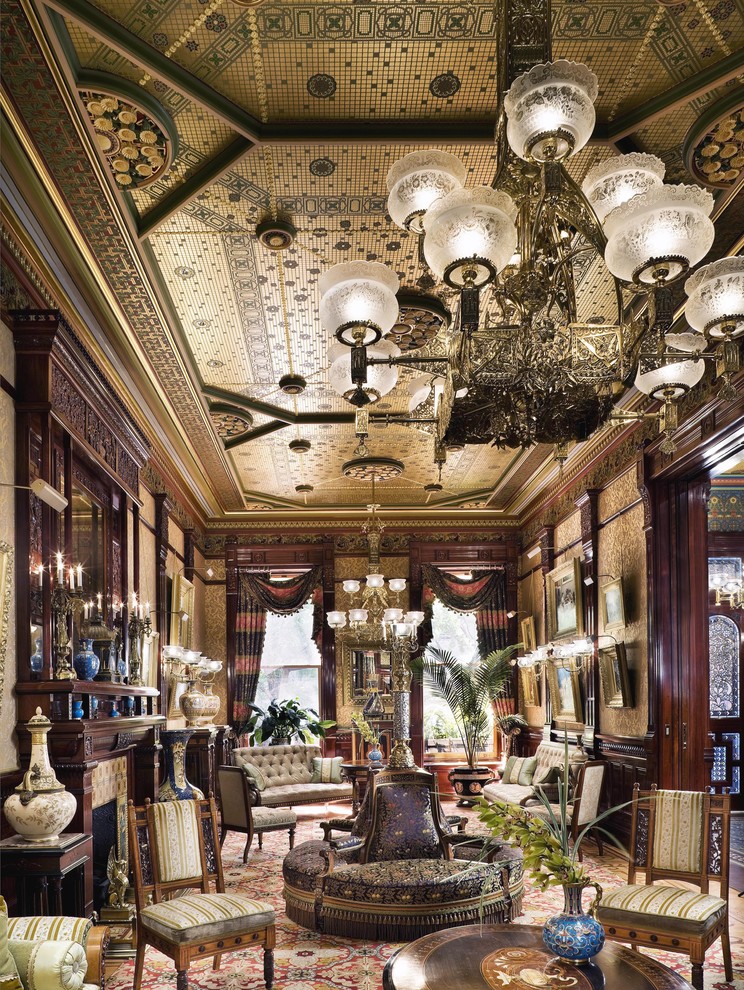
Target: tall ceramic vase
{"points": [[572, 935], [175, 786], [40, 808]]}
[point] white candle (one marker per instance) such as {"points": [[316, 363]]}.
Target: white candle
{"points": [[60, 570], [72, 579], [147, 608], [80, 575], [98, 599]]}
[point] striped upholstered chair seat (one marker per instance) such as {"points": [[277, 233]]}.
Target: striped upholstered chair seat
{"points": [[671, 908], [197, 917]]}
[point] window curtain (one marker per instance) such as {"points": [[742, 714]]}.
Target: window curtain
{"points": [[484, 594], [257, 595]]}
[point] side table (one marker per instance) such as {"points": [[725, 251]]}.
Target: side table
{"points": [[358, 772], [44, 866], [490, 957]]}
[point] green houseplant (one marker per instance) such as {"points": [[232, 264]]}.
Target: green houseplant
{"points": [[283, 721], [468, 690]]}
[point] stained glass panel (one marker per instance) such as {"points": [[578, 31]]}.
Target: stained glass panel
{"points": [[723, 646], [718, 770]]}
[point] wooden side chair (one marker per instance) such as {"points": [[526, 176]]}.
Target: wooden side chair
{"points": [[173, 847], [240, 814], [585, 803], [675, 835]]}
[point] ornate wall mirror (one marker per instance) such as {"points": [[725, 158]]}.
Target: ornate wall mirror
{"points": [[366, 668]]}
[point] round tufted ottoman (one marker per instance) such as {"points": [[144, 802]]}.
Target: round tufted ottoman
{"points": [[398, 900]]}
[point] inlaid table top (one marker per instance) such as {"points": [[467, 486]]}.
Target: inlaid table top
{"points": [[491, 957]]}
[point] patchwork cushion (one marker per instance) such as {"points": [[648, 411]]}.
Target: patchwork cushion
{"points": [[177, 839], [327, 770], [254, 773], [199, 917], [678, 831], [272, 817], [673, 907]]}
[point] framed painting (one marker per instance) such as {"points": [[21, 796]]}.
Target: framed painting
{"points": [[565, 607], [565, 691], [529, 639], [530, 692], [614, 675], [182, 608], [611, 605]]}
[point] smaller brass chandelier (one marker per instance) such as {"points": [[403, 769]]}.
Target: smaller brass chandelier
{"points": [[729, 591]]}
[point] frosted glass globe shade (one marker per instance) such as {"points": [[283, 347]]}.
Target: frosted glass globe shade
{"points": [[380, 377], [666, 223], [336, 620], [358, 615], [672, 379], [397, 584], [417, 181], [612, 183], [415, 617], [392, 615], [351, 587], [470, 225], [358, 293], [419, 388], [375, 580], [550, 110], [716, 294]]}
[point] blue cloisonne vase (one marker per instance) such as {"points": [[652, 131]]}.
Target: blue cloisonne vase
{"points": [[375, 755], [572, 935], [37, 659], [86, 662], [175, 786]]}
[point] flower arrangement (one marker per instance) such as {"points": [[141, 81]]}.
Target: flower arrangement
{"points": [[367, 732]]}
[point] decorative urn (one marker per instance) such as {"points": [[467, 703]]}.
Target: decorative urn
{"points": [[40, 808]]}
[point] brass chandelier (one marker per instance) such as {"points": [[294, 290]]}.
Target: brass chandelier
{"points": [[521, 367]]}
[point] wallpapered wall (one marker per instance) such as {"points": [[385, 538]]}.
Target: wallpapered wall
{"points": [[622, 553], [8, 745]]}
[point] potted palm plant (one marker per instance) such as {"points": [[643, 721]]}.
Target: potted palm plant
{"points": [[282, 722], [468, 690]]}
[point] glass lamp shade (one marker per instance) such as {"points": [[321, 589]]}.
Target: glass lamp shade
{"points": [[716, 298], [419, 388], [380, 377], [397, 584], [358, 293], [470, 229], [358, 615], [403, 629], [612, 183], [550, 110], [392, 615], [417, 181], [171, 653], [667, 224], [191, 657], [336, 620], [375, 581], [351, 587], [415, 618], [671, 379]]}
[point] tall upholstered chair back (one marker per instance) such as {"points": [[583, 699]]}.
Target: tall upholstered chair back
{"points": [[404, 818], [588, 792]]}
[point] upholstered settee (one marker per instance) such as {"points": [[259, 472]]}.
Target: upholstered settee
{"points": [[396, 878], [284, 775], [55, 953], [518, 786]]}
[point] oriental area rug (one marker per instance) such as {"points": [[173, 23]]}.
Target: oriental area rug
{"points": [[309, 961]]}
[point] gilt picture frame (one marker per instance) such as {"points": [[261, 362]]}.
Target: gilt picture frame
{"points": [[528, 636], [176, 688], [615, 677], [565, 692], [530, 689], [565, 604], [612, 605], [182, 604], [150, 659], [6, 587]]}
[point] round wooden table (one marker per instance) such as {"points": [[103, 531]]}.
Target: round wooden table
{"points": [[358, 771], [491, 957]]}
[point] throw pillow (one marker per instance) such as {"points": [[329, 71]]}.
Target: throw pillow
{"points": [[8, 973], [546, 775], [526, 770], [327, 770], [506, 776], [255, 774], [519, 770]]}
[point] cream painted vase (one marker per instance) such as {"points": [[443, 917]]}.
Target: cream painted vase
{"points": [[41, 808]]}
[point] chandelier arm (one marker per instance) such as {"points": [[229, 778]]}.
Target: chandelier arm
{"points": [[562, 266], [592, 230]]}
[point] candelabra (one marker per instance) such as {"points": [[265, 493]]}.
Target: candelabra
{"points": [[138, 628], [65, 602]]}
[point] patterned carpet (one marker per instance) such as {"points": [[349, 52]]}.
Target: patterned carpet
{"points": [[307, 961]]}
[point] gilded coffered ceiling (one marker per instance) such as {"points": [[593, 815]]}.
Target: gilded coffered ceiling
{"points": [[297, 111]]}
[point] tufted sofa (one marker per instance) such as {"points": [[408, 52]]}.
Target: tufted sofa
{"points": [[548, 755], [287, 774]]}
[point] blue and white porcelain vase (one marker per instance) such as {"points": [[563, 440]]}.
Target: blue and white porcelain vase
{"points": [[86, 662], [572, 935], [375, 754], [37, 659], [175, 786]]}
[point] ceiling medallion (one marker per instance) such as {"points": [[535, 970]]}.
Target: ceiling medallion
{"points": [[322, 167], [716, 156], [373, 468], [321, 86], [292, 384], [419, 321], [444, 85], [132, 143], [303, 489], [230, 424], [276, 235], [433, 487], [299, 446]]}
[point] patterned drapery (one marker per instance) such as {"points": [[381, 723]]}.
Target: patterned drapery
{"points": [[484, 594], [257, 595]]}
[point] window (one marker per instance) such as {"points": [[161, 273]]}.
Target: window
{"points": [[457, 633], [290, 662]]}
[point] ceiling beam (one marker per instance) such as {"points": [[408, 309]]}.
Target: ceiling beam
{"points": [[397, 131], [133, 48], [210, 172], [689, 89], [276, 412]]}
